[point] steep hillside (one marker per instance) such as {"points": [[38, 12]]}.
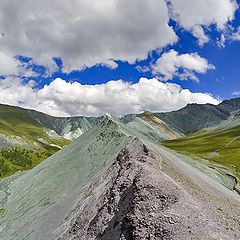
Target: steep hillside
{"points": [[67, 127], [195, 117], [151, 126], [41, 203], [28, 137], [190, 119], [23, 122]]}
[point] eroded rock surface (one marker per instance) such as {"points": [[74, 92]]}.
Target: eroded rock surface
{"points": [[142, 202]]}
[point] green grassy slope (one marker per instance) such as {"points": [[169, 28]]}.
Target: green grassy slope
{"points": [[15, 121], [221, 147], [36, 146], [17, 159], [23, 122]]}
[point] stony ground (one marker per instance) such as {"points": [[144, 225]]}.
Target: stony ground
{"points": [[153, 196]]}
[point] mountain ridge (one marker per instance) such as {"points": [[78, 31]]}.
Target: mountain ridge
{"points": [[111, 183], [116, 181], [33, 136], [222, 111]]}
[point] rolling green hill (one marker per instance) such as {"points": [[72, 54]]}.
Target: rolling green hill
{"points": [[23, 122]]}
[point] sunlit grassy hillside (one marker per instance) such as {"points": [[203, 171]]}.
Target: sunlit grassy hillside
{"points": [[219, 146], [24, 142]]}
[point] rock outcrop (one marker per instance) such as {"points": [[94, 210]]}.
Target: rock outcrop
{"points": [[141, 202]]}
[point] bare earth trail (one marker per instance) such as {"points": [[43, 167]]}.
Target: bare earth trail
{"points": [[221, 205], [172, 161]]}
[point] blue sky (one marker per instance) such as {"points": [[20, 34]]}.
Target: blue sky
{"points": [[38, 66]]}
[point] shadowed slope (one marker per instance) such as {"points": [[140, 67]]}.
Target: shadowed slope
{"points": [[195, 117]]}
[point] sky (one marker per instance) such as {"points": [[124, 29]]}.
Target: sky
{"points": [[91, 57]]}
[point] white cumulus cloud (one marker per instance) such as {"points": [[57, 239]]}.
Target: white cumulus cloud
{"points": [[184, 66], [88, 32], [193, 15], [84, 33], [62, 98]]}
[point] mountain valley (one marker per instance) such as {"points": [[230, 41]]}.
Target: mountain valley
{"points": [[142, 176]]}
